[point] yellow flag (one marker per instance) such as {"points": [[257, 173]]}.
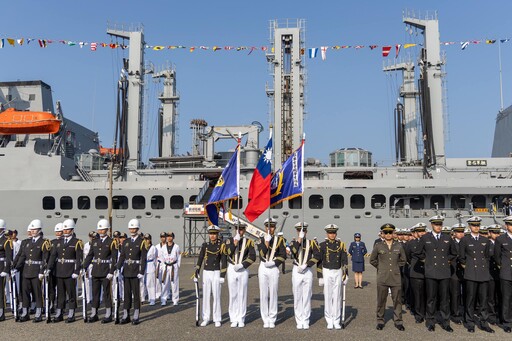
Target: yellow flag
{"points": [[192, 49], [158, 48], [10, 41], [406, 46]]}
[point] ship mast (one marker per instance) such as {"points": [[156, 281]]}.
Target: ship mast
{"points": [[135, 76]]}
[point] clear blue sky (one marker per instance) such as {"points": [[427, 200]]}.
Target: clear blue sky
{"points": [[349, 98]]}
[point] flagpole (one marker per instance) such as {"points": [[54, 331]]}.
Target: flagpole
{"points": [[302, 176], [501, 79], [271, 172], [238, 178]]}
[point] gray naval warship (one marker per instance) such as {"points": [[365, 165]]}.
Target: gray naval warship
{"points": [[61, 173]]}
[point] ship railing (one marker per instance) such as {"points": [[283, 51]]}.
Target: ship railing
{"points": [[83, 174], [56, 145], [202, 192], [445, 212]]}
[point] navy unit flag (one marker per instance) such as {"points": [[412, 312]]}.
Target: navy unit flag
{"points": [[227, 187], [287, 183]]}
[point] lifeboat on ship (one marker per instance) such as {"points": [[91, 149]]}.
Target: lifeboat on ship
{"points": [[28, 122]]}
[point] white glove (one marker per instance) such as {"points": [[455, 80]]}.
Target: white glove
{"points": [[195, 279], [237, 237], [140, 276], [221, 280], [46, 272], [268, 237], [110, 276], [321, 282], [238, 267], [302, 268], [14, 272], [270, 264], [41, 276], [301, 234], [3, 274], [74, 276]]}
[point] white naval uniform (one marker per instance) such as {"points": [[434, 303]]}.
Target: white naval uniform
{"points": [[88, 282], [269, 279], [158, 290], [148, 285], [302, 285], [166, 271]]}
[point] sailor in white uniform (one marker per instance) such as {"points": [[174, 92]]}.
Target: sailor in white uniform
{"points": [[149, 283], [170, 262], [159, 246]]}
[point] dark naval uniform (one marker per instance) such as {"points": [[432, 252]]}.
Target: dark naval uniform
{"points": [[212, 255], [33, 260], [456, 284], [417, 280], [474, 255], [103, 256], [437, 253], [132, 259], [503, 257], [52, 279], [494, 298], [5, 266], [66, 259]]}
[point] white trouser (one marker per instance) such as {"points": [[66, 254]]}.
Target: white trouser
{"points": [[302, 285], [269, 283], [158, 285], [148, 286], [332, 295], [237, 283], [211, 285], [174, 285]]}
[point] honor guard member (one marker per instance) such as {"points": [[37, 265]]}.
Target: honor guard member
{"points": [[52, 279], [66, 258], [132, 261], [303, 252], [474, 254], [388, 256], [159, 246], [150, 279], [33, 261], [116, 235], [5, 265], [170, 262], [272, 250], [332, 269], [88, 282], [437, 251], [494, 294], [457, 277], [101, 259], [416, 273], [213, 256], [503, 257], [240, 254]]}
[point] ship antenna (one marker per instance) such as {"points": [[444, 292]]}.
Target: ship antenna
{"points": [[501, 78]]}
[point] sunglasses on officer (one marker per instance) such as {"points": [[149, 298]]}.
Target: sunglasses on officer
{"points": [[387, 232]]}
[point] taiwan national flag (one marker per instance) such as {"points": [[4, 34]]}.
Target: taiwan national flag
{"points": [[259, 189]]}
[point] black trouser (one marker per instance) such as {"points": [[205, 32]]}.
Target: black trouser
{"points": [[131, 287], [494, 300], [2, 292], [66, 286], [438, 293], [52, 285], [97, 284], [418, 294], [474, 290], [32, 286], [456, 298], [506, 302]]}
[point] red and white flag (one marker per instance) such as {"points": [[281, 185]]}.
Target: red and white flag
{"points": [[93, 46], [323, 52], [397, 50], [385, 50]]}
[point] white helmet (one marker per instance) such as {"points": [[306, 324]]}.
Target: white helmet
{"points": [[2, 224], [58, 227], [103, 224], [68, 224], [35, 224], [134, 224]]}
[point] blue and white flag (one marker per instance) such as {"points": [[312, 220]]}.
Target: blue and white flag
{"points": [[287, 183], [312, 52], [464, 45], [227, 187]]}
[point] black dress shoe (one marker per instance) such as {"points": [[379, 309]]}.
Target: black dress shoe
{"points": [[380, 326], [70, 319], [507, 329], [2, 318], [58, 319], [126, 320], [419, 319], [24, 318], [135, 322], [106, 320], [37, 319], [399, 327], [448, 328], [488, 329], [431, 328], [471, 329], [93, 319], [457, 321]]}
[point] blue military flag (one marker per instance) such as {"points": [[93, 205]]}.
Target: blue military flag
{"points": [[287, 183], [227, 187]]}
